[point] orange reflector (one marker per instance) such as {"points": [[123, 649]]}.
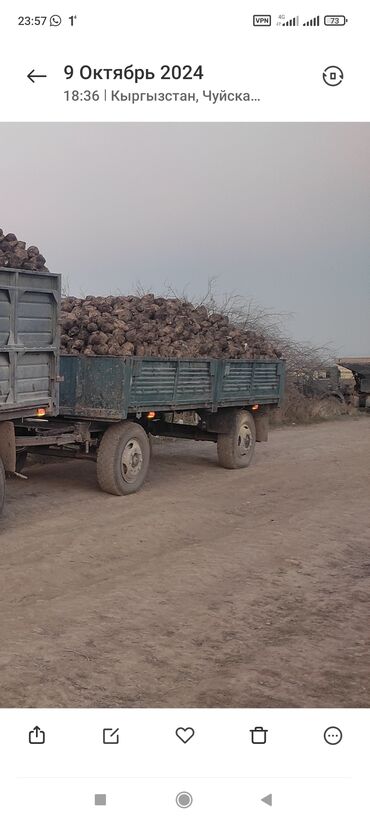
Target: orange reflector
{"points": [[255, 407], [40, 412], [150, 415]]}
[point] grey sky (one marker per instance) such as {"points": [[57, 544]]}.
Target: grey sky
{"points": [[277, 212]]}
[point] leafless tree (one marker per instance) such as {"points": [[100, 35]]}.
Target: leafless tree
{"points": [[302, 357]]}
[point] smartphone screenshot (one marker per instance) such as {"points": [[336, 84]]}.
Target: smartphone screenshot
{"points": [[184, 411]]}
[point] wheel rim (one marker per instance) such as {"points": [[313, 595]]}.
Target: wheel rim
{"points": [[132, 460], [245, 440]]}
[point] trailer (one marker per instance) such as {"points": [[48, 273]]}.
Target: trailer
{"points": [[110, 407], [107, 409]]}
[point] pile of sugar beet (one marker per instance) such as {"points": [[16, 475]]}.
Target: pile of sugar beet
{"points": [[149, 326], [144, 326], [15, 254]]}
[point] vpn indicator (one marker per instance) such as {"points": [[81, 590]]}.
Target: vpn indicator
{"points": [[262, 19]]}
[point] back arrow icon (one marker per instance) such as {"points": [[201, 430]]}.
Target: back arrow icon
{"points": [[32, 76]]}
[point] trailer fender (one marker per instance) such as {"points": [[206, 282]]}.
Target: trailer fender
{"points": [[262, 421], [222, 423], [7, 446]]}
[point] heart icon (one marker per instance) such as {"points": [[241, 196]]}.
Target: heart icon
{"points": [[185, 734]]}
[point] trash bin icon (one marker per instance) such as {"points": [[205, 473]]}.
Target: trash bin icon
{"points": [[259, 735]]}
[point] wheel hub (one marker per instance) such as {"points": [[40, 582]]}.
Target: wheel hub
{"points": [[132, 460], [244, 440]]}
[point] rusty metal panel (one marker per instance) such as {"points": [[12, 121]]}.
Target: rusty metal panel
{"points": [[93, 387]]}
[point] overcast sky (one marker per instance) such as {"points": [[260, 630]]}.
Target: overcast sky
{"points": [[277, 212]]}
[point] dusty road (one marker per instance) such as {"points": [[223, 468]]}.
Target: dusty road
{"points": [[208, 588]]}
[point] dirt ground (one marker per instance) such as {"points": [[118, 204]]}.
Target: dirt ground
{"points": [[209, 588]]}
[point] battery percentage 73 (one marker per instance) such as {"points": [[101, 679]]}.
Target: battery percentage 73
{"points": [[339, 20]]}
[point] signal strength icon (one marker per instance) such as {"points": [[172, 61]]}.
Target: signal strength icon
{"points": [[293, 22], [314, 22]]}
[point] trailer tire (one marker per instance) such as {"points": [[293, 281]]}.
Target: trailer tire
{"points": [[235, 449], [123, 458], [2, 486]]}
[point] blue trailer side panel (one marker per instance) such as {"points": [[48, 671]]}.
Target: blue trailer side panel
{"points": [[110, 388], [254, 380], [157, 383], [92, 386]]}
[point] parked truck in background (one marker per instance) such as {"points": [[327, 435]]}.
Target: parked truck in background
{"points": [[334, 381], [360, 367], [105, 408]]}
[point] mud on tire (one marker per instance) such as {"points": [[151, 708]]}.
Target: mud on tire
{"points": [[235, 449], [123, 458]]}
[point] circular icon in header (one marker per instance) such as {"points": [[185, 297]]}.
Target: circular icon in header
{"points": [[333, 735], [333, 76], [184, 799]]}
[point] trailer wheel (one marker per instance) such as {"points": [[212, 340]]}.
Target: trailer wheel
{"points": [[2, 486], [123, 458], [235, 449]]}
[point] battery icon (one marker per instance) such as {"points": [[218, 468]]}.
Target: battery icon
{"points": [[339, 20]]}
